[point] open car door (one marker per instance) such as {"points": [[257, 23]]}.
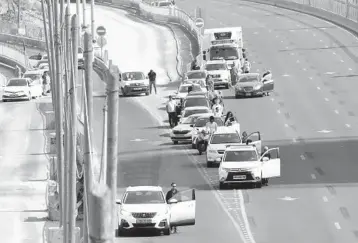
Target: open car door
{"points": [[255, 138], [268, 84], [272, 167], [182, 208]]}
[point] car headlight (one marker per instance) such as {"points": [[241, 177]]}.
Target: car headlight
{"points": [[257, 87], [124, 212], [225, 170], [163, 213], [212, 151]]}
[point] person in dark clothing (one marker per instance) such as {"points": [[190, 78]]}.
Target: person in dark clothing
{"points": [[194, 65], [152, 81], [171, 194], [190, 88]]}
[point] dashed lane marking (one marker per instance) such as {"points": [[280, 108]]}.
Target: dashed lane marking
{"points": [[313, 176], [342, 60], [348, 125], [336, 111], [337, 225], [350, 69], [326, 99], [325, 199], [302, 157], [318, 88], [334, 53]]}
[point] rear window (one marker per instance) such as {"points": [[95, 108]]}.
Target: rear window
{"points": [[192, 112], [201, 122], [196, 102], [225, 138], [184, 89]]}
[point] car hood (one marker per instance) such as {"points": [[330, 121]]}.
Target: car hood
{"points": [[248, 84], [143, 208], [15, 88], [182, 127], [136, 81], [250, 165], [181, 95], [222, 146], [221, 72]]}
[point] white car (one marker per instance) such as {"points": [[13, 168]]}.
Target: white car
{"points": [[244, 164], [220, 72], [34, 59], [21, 89], [134, 83], [183, 131], [34, 75], [218, 142], [183, 90], [228, 136], [200, 124], [194, 110], [145, 207]]}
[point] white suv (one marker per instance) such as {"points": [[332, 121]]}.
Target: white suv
{"points": [[243, 164], [145, 207]]}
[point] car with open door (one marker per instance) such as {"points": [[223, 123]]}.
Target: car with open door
{"points": [[145, 208], [242, 164], [253, 138], [251, 84]]}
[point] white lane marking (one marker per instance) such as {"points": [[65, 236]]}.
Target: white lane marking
{"points": [[313, 176], [288, 198], [243, 230], [286, 125], [310, 78], [334, 53], [286, 75], [255, 33], [324, 131], [292, 30], [269, 31], [314, 34], [304, 69], [294, 140], [326, 99], [138, 140], [337, 225], [278, 111], [325, 199], [318, 88], [329, 73], [320, 40], [286, 47], [272, 99], [350, 69], [336, 111], [282, 41], [292, 53], [342, 60], [302, 157], [276, 36], [348, 125], [326, 46], [298, 61]]}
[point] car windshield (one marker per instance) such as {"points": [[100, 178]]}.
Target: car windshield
{"points": [[144, 197], [132, 76], [196, 93], [192, 112], [184, 89], [190, 120], [241, 156], [247, 79], [17, 82], [196, 75], [216, 66], [201, 122], [227, 53], [164, 4], [196, 102], [32, 76], [225, 138]]}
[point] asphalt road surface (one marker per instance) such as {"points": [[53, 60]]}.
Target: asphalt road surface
{"points": [[23, 172], [311, 116]]}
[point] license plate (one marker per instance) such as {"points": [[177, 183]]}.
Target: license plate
{"points": [[248, 94], [144, 221], [240, 177], [137, 88]]}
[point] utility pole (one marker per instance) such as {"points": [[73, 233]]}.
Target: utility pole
{"points": [[88, 50], [18, 14], [73, 130], [67, 60], [84, 13], [92, 19], [59, 103], [112, 139]]}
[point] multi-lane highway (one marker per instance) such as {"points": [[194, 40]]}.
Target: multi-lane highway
{"points": [[310, 116], [23, 171]]}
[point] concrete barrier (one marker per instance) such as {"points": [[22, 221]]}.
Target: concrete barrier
{"points": [[12, 57]]}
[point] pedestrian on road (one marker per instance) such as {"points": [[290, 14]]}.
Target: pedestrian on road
{"points": [[171, 110], [18, 71], [170, 194], [152, 81], [45, 83]]}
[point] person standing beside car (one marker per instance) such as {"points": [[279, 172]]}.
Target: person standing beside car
{"points": [[152, 81], [171, 110]]}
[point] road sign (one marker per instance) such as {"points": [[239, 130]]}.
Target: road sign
{"points": [[101, 41], [199, 22], [101, 31]]}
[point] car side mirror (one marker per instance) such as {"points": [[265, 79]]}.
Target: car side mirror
{"points": [[172, 200], [118, 201], [265, 159]]}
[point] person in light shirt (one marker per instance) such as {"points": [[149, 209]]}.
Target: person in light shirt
{"points": [[211, 126], [218, 109], [171, 110]]}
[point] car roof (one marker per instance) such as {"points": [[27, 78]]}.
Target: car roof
{"points": [[144, 188], [38, 71], [132, 71], [243, 147], [202, 115], [196, 108], [226, 130]]}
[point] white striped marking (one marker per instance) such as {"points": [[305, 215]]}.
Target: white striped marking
{"points": [[337, 225], [334, 53], [302, 157], [318, 88], [336, 111], [313, 176], [325, 199], [326, 99], [342, 60], [348, 125]]}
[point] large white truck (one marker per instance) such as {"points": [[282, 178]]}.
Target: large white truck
{"points": [[223, 44]]}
